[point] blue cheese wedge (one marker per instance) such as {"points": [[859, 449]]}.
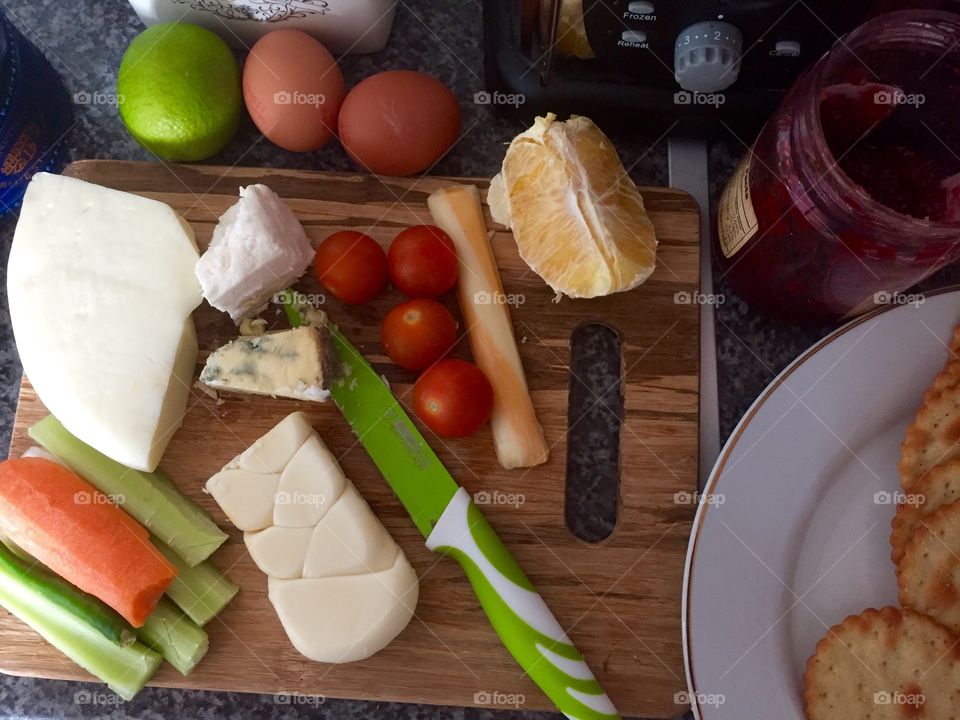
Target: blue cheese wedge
{"points": [[290, 363]]}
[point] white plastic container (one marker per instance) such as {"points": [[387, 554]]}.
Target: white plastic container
{"points": [[344, 26]]}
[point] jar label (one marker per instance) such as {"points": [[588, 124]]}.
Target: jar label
{"points": [[736, 220]]}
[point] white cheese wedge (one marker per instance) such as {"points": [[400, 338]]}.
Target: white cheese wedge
{"points": [[350, 540], [349, 617], [310, 485], [245, 497], [273, 452], [341, 586], [279, 551], [289, 363], [101, 286], [258, 248]]}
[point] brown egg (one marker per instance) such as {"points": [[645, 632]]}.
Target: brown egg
{"points": [[293, 89], [399, 122]]}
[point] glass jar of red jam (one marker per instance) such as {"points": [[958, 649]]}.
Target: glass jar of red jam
{"points": [[851, 193]]}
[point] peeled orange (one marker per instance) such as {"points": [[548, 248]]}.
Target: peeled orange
{"points": [[578, 218]]}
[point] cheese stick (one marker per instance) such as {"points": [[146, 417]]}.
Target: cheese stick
{"points": [[517, 435]]}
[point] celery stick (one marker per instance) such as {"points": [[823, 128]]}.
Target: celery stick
{"points": [[149, 497], [201, 591], [175, 636], [124, 668], [83, 606]]}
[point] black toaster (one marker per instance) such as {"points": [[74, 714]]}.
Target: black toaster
{"points": [[655, 64]]}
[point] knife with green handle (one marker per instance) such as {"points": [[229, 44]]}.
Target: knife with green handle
{"points": [[452, 524]]}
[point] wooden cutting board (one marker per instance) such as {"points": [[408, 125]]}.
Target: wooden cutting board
{"points": [[619, 599]]}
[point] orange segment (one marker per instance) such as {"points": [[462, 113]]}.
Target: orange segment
{"points": [[578, 218]]}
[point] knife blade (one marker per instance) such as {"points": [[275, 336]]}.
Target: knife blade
{"points": [[388, 434], [445, 514]]}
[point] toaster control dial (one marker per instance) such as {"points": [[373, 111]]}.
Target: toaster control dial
{"points": [[706, 57]]}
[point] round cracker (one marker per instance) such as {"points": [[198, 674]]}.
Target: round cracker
{"points": [[929, 571], [954, 345], [939, 487], [885, 664], [946, 378], [934, 436]]}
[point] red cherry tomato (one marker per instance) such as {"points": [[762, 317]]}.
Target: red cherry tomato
{"points": [[423, 262], [351, 266], [454, 398], [417, 333]]}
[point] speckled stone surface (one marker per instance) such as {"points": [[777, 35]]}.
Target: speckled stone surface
{"points": [[85, 41]]}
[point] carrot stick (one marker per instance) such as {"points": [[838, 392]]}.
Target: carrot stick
{"points": [[517, 435], [76, 531]]}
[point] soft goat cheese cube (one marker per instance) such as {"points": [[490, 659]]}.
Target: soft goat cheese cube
{"points": [[258, 248], [101, 286]]}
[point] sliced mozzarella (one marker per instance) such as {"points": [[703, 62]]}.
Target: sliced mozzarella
{"points": [[279, 552], [101, 286], [342, 587], [349, 617], [245, 497], [272, 452], [350, 540], [310, 485]]}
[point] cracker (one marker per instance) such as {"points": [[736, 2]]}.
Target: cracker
{"points": [[929, 571], [939, 487], [934, 436], [886, 664], [954, 345], [945, 379]]}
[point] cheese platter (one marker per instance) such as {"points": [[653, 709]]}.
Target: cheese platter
{"points": [[617, 600]]}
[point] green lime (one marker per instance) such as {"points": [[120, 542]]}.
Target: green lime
{"points": [[179, 91]]}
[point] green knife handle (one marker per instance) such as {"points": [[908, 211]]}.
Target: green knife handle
{"points": [[517, 612]]}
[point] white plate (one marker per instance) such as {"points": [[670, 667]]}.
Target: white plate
{"points": [[792, 532]]}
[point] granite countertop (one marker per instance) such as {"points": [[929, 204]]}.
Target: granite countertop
{"points": [[85, 41]]}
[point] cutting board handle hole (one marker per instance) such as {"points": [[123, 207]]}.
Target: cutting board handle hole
{"points": [[594, 417]]}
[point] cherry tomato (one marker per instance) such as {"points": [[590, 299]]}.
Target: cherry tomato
{"points": [[417, 333], [423, 262], [454, 398], [351, 266]]}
